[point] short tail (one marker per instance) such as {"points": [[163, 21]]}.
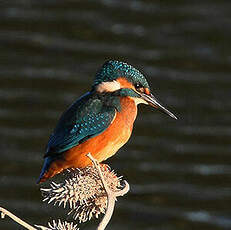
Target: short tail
{"points": [[43, 175]]}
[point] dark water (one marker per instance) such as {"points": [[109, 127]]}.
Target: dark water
{"points": [[179, 171]]}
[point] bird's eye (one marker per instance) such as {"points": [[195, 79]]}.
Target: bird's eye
{"points": [[139, 87]]}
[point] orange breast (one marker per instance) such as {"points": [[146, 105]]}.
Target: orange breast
{"points": [[107, 143]]}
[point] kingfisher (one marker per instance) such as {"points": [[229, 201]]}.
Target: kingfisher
{"points": [[101, 121]]}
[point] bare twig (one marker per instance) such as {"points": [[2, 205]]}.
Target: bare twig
{"points": [[111, 195], [4, 212]]}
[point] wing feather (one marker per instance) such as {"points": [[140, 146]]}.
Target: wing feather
{"points": [[84, 119]]}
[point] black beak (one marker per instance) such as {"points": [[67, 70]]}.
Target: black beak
{"points": [[151, 100]]}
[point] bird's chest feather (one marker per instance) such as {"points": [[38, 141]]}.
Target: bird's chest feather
{"points": [[121, 128], [108, 142]]}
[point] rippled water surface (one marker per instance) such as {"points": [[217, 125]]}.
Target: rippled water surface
{"points": [[179, 171]]}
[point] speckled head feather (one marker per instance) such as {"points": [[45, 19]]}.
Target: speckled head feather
{"points": [[111, 70]]}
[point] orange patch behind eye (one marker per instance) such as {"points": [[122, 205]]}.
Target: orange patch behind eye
{"points": [[124, 83], [147, 91]]}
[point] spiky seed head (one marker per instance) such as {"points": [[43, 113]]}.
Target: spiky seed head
{"points": [[59, 225], [83, 192]]}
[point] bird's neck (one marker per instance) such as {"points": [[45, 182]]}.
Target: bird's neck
{"points": [[120, 103], [128, 111], [109, 100]]}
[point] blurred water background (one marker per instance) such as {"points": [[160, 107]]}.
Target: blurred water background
{"points": [[179, 171]]}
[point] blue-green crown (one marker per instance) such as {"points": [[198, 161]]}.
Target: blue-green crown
{"points": [[111, 70]]}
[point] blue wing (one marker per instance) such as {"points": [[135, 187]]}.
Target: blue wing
{"points": [[85, 118]]}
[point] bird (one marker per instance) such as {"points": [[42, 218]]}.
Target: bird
{"points": [[101, 121]]}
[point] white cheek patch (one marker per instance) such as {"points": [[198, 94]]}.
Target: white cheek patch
{"points": [[138, 101], [110, 86]]}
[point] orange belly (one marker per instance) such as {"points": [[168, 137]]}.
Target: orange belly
{"points": [[102, 146], [107, 143]]}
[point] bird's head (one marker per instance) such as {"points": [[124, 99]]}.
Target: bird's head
{"points": [[126, 81]]}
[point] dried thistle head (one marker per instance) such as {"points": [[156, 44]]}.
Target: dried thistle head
{"points": [[83, 191], [59, 226]]}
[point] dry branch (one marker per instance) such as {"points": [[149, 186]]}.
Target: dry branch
{"points": [[111, 195], [5, 212]]}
